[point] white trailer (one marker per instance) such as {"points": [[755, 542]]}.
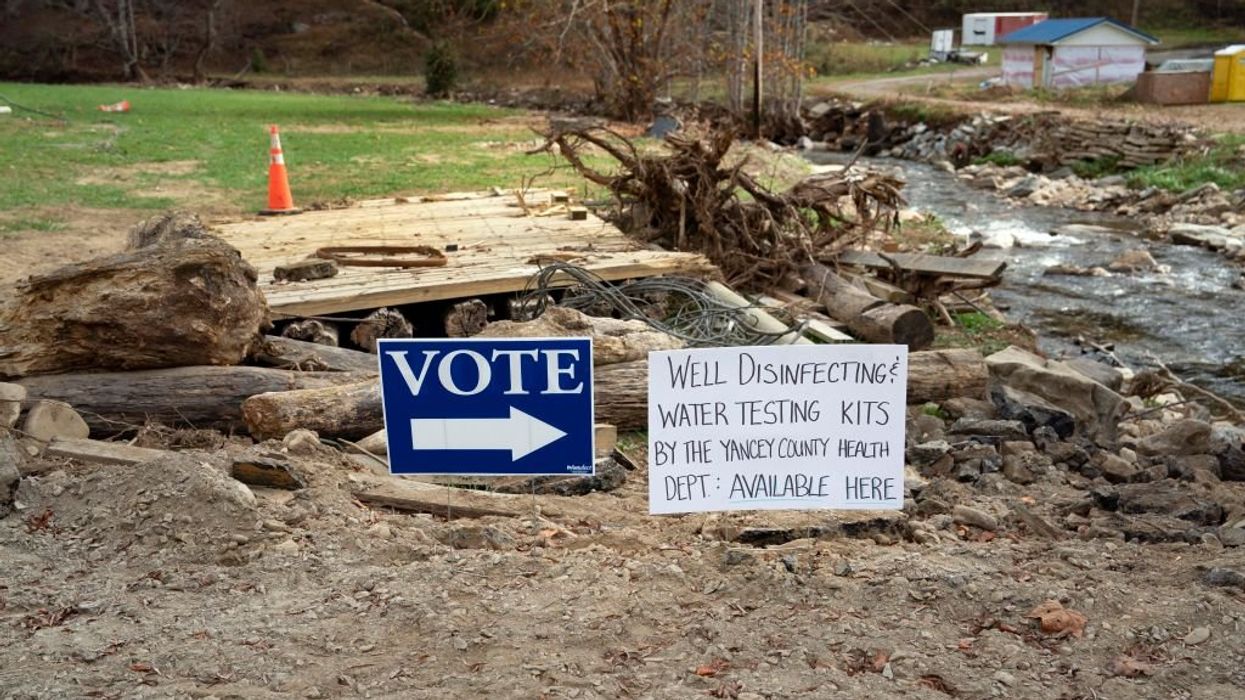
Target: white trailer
{"points": [[986, 28], [941, 44]]}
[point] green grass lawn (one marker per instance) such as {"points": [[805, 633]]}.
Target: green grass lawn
{"points": [[208, 148], [1180, 37], [836, 61]]}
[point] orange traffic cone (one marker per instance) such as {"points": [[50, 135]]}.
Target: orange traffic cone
{"points": [[280, 201]]}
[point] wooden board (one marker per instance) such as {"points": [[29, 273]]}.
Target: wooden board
{"points": [[817, 327], [449, 502], [497, 241], [100, 452], [927, 264]]}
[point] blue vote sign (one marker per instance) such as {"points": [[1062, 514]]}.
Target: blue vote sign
{"points": [[488, 406]]}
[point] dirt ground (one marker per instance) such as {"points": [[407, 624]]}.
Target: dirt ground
{"points": [[1215, 118], [173, 580], [86, 233]]}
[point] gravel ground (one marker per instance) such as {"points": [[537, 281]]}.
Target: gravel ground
{"points": [[172, 580]]}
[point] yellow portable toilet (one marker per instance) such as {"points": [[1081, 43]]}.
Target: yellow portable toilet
{"points": [[1227, 81]]}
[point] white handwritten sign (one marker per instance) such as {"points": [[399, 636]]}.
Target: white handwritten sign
{"points": [[777, 427]]}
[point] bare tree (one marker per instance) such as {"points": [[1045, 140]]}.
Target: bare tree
{"points": [[209, 39], [118, 17], [632, 49]]}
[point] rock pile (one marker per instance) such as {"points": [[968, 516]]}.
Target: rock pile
{"points": [[1149, 474], [1046, 148], [1204, 216]]}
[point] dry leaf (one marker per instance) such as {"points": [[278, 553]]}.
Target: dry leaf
{"points": [[880, 658], [938, 683], [1128, 667], [712, 668], [1055, 619]]}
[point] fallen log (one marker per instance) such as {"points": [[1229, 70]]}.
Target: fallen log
{"points": [[938, 375], [190, 302], [381, 323], [613, 340], [350, 411], [867, 317], [197, 397], [287, 353], [313, 330], [465, 319], [621, 392], [353, 411], [100, 452], [449, 502]]}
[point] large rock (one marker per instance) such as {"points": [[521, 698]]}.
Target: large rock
{"points": [[193, 301], [1115, 469], [1184, 437], [1170, 498], [1031, 410], [10, 473], [1002, 429], [1198, 235], [1228, 444], [1104, 374], [1096, 408], [1139, 260], [11, 398]]}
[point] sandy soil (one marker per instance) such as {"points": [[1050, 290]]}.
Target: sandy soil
{"points": [[87, 233], [176, 581]]}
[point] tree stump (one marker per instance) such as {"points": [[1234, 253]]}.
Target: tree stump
{"points": [[313, 331], [381, 323], [192, 302]]}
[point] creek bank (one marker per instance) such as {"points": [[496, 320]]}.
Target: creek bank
{"points": [[1046, 150]]}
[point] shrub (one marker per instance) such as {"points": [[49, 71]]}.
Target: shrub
{"points": [[1002, 159], [440, 70]]}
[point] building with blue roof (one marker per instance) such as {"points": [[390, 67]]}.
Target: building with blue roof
{"points": [[1072, 52]]}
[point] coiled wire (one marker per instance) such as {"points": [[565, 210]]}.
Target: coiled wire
{"points": [[680, 306]]}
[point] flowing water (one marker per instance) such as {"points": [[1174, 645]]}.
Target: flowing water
{"points": [[1190, 317]]}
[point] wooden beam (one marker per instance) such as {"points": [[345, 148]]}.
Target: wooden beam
{"points": [[395, 290], [816, 326], [287, 353], [927, 264], [606, 438], [450, 502], [100, 452], [755, 318]]}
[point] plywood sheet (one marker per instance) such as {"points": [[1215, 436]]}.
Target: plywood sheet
{"points": [[493, 244]]}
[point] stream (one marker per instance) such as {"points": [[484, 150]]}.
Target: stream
{"points": [[1190, 317]]}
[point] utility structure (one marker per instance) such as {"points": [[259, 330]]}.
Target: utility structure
{"points": [[757, 66], [1074, 52]]}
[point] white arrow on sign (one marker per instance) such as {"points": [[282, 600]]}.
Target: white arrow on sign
{"points": [[520, 433]]}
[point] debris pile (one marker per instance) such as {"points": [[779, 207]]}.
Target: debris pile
{"points": [[690, 200], [1043, 142], [1047, 150], [161, 516], [1203, 216]]}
